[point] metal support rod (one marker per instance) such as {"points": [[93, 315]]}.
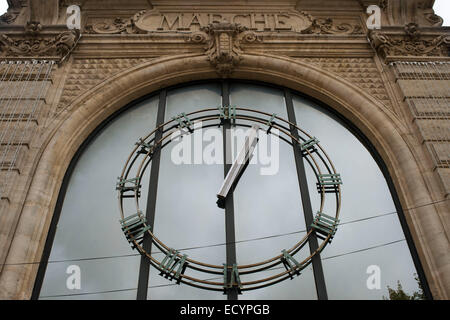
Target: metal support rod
{"points": [[306, 201], [232, 293], [144, 269]]}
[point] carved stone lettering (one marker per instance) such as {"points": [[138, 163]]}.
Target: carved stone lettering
{"points": [[157, 21]]}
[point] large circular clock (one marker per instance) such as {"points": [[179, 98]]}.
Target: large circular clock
{"points": [[183, 269]]}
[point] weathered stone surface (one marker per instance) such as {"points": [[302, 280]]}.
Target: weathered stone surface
{"points": [[321, 43], [87, 73], [425, 88], [359, 71], [444, 174], [441, 153]]}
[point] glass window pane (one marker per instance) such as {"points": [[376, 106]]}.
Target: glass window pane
{"points": [[368, 215], [186, 211], [89, 223], [269, 205]]}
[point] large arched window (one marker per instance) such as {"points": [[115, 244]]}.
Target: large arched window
{"points": [[267, 211]]}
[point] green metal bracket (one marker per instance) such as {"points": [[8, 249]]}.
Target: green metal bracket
{"points": [[145, 147], [227, 113], [133, 186], [170, 262], [235, 279], [291, 264], [325, 225], [328, 183], [271, 122], [183, 122], [308, 145], [134, 228]]}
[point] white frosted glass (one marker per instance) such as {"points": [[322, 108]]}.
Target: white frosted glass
{"points": [[186, 211], [268, 209], [267, 205], [89, 223], [365, 194]]}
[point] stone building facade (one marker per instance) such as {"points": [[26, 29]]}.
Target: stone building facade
{"points": [[391, 83]]}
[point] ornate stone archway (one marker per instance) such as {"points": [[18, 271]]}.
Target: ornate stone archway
{"points": [[401, 153]]}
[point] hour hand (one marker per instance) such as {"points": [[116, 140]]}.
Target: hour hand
{"points": [[240, 163]]}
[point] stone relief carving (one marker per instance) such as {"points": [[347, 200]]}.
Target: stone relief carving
{"points": [[223, 44], [429, 15], [14, 10], [33, 27], [58, 45], [410, 45], [412, 31], [148, 21], [432, 18], [327, 26], [383, 4], [116, 26], [8, 17]]}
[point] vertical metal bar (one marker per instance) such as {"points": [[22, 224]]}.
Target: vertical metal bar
{"points": [[306, 201], [144, 269], [232, 293]]}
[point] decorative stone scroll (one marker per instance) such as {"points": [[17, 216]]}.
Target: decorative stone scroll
{"points": [[223, 44], [327, 26], [15, 7], [38, 46], [155, 21], [410, 44], [8, 17]]}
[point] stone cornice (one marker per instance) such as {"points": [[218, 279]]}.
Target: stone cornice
{"points": [[395, 44], [36, 44], [151, 21], [223, 44]]}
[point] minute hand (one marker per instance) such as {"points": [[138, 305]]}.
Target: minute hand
{"points": [[239, 164]]}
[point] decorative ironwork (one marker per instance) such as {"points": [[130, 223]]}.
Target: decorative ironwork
{"points": [[290, 264], [271, 122], [235, 281], [124, 188], [309, 146], [172, 261], [180, 267], [329, 183], [183, 122], [325, 226], [134, 227]]}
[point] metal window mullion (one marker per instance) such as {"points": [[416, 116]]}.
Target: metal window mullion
{"points": [[230, 238], [319, 277], [144, 268]]}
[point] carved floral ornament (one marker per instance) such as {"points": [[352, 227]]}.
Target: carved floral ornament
{"points": [[411, 44], [223, 44], [8, 17], [38, 46], [154, 21]]}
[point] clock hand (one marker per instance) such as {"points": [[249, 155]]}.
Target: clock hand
{"points": [[239, 165]]}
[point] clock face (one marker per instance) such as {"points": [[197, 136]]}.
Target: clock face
{"points": [[263, 229], [256, 126]]}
